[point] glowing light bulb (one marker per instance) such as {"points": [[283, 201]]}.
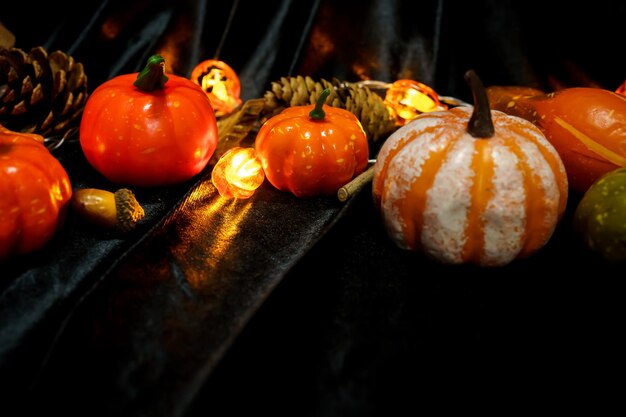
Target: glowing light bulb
{"points": [[407, 99], [220, 83], [238, 173]]}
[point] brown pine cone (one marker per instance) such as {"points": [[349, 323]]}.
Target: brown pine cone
{"points": [[366, 105], [39, 92]]}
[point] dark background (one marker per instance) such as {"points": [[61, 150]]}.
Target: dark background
{"points": [[340, 322]]}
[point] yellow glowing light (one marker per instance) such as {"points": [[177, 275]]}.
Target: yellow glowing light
{"points": [[220, 83], [214, 83], [407, 99], [238, 173]]}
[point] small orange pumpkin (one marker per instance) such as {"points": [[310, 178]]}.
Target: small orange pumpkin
{"points": [[34, 193], [470, 185], [312, 150]]}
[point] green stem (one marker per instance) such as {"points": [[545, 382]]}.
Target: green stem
{"points": [[480, 124], [152, 77], [318, 112]]}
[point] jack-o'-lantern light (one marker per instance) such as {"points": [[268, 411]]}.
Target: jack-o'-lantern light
{"points": [[407, 99], [238, 173], [221, 84]]}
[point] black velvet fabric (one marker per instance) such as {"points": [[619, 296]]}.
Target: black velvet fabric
{"points": [[305, 307]]}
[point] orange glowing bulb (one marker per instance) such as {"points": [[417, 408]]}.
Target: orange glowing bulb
{"points": [[221, 84], [238, 173], [407, 99]]}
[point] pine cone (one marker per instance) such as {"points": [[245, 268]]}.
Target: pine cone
{"points": [[40, 92], [366, 105]]}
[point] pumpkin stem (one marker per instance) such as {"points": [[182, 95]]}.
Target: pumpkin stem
{"points": [[480, 124], [152, 77], [318, 113]]}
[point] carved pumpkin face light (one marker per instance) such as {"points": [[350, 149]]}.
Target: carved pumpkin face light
{"points": [[221, 84], [407, 99], [238, 173]]}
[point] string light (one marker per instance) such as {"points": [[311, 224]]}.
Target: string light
{"points": [[238, 173], [407, 99], [221, 84]]}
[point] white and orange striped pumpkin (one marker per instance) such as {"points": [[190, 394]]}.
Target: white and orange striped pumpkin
{"points": [[466, 195]]}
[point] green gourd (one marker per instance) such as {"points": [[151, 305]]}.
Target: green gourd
{"points": [[600, 217]]}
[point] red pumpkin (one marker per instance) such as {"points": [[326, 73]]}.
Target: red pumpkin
{"points": [[148, 129], [470, 185], [312, 150], [34, 193], [587, 126]]}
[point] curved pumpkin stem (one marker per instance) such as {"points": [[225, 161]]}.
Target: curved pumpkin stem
{"points": [[152, 77], [318, 112], [480, 124]]}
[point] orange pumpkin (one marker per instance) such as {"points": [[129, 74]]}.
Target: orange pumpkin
{"points": [[34, 193], [470, 185], [587, 126], [312, 150]]}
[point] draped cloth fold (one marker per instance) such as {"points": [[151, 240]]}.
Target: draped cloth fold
{"points": [[148, 315]]}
